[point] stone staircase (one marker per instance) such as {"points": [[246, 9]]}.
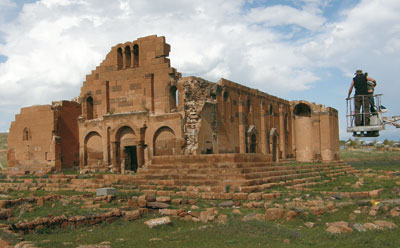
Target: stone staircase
{"points": [[216, 173], [242, 176]]}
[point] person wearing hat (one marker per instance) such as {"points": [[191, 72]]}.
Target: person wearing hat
{"points": [[361, 97]]}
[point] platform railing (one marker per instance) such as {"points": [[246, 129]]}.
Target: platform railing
{"points": [[374, 114]]}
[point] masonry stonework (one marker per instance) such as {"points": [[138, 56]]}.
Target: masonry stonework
{"points": [[135, 107]]}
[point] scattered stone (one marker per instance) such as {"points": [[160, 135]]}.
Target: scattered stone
{"points": [[40, 201], [375, 193], [226, 204], [165, 199], [274, 213], [188, 217], [309, 224], [194, 207], [253, 216], [157, 205], [106, 191], [395, 212], [286, 241], [158, 222], [371, 226], [236, 211], [385, 224], [132, 203], [170, 212], [359, 227], [176, 201], [222, 219], [150, 198], [291, 215], [132, 215], [339, 227], [25, 244], [317, 210], [207, 215]]}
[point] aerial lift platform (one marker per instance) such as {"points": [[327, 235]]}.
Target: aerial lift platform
{"points": [[377, 121]]}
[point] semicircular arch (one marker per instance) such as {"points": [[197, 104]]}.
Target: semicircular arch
{"points": [[164, 141]]}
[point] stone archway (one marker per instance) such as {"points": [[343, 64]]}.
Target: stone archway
{"points": [[126, 149], [93, 149], [164, 141], [251, 139]]}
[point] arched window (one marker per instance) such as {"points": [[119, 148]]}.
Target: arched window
{"points": [[26, 134], [173, 97], [135, 55], [89, 108], [127, 57], [271, 109], [302, 109], [119, 58]]}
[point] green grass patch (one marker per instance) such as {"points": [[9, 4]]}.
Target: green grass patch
{"points": [[368, 155]]}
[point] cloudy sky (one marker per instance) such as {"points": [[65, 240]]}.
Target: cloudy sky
{"points": [[298, 49]]}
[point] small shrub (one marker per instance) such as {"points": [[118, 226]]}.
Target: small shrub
{"points": [[227, 188]]}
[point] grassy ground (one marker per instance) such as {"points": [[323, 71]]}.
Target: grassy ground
{"points": [[236, 233], [368, 155]]}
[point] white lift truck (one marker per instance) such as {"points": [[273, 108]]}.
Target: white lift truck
{"points": [[377, 121]]}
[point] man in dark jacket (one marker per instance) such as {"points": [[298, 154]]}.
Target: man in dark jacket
{"points": [[361, 96]]}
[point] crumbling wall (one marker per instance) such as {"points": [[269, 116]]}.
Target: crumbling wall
{"points": [[43, 138], [199, 119]]}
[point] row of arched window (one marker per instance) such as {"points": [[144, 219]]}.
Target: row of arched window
{"points": [[128, 57]]}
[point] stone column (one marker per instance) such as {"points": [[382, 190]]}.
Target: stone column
{"points": [[123, 59], [293, 131], [325, 134], [132, 58], [304, 147], [141, 146], [242, 128], [114, 157], [263, 131], [282, 135]]}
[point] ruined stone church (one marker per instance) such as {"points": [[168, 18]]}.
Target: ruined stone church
{"points": [[135, 107]]}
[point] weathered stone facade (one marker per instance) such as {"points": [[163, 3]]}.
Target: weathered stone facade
{"points": [[44, 138], [135, 107]]}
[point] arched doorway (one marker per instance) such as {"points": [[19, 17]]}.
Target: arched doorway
{"points": [[93, 149], [127, 155], [253, 143], [274, 146], [164, 142], [251, 139]]}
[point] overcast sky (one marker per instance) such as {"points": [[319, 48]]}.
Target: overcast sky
{"points": [[299, 49]]}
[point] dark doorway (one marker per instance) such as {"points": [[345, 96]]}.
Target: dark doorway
{"points": [[253, 144], [131, 162], [274, 148]]}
